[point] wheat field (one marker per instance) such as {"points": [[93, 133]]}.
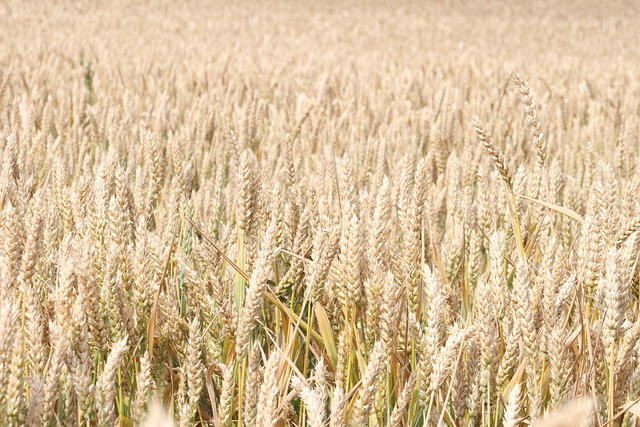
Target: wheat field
{"points": [[319, 213]]}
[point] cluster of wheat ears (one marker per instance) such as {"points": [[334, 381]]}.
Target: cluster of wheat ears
{"points": [[330, 234]]}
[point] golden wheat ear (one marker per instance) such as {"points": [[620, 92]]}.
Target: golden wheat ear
{"points": [[494, 151]]}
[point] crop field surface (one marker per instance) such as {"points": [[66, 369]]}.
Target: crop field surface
{"points": [[319, 214]]}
